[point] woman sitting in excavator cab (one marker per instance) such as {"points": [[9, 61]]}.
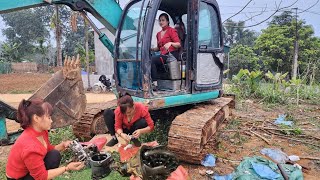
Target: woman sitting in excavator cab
{"points": [[168, 43]]}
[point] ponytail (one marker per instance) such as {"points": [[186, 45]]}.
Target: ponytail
{"points": [[22, 116]]}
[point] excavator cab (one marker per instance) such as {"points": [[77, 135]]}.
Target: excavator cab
{"points": [[197, 74]]}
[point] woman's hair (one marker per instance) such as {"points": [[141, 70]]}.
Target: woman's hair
{"points": [[28, 108], [124, 102], [165, 15]]}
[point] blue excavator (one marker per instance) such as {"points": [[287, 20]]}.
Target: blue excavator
{"points": [[189, 88]]}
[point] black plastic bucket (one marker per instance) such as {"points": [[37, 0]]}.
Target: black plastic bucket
{"points": [[100, 165]]}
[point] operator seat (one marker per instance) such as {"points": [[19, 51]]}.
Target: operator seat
{"points": [[181, 29]]}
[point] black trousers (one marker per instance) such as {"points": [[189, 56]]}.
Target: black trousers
{"points": [[157, 64], [109, 119], [51, 161]]}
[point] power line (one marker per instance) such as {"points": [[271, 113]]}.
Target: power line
{"points": [[313, 12], [248, 7], [244, 12], [238, 12], [277, 10], [309, 7]]}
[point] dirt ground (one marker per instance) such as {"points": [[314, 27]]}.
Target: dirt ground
{"points": [[233, 141], [22, 82]]}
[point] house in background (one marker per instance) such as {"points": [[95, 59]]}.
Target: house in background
{"points": [[103, 58]]}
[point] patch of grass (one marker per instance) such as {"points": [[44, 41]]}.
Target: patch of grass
{"points": [[62, 134], [239, 140], [274, 89], [21, 91], [234, 124], [314, 121], [86, 175], [3, 170], [160, 133], [116, 156]]}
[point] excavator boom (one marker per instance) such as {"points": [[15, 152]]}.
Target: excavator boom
{"points": [[108, 12]]}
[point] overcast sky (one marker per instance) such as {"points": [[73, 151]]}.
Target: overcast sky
{"points": [[230, 7]]}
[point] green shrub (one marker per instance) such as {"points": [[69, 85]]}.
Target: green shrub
{"points": [[274, 89], [56, 136], [159, 134]]}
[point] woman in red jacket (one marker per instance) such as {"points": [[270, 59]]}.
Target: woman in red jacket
{"points": [[32, 156], [129, 118], [168, 41]]}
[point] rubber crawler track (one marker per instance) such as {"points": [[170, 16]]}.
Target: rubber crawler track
{"points": [[92, 122]]}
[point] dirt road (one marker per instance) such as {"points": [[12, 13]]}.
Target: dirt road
{"points": [[14, 99]]}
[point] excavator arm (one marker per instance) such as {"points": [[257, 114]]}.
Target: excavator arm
{"points": [[108, 12]]}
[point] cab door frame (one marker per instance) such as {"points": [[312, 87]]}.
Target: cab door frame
{"points": [[216, 52]]}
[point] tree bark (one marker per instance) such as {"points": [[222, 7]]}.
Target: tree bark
{"points": [[58, 37], [296, 50], [295, 61], [86, 31]]}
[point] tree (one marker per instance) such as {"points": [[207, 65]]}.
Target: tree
{"points": [[42, 50], [81, 50], [24, 28], [235, 33], [243, 57], [58, 34], [283, 19], [73, 38], [276, 44], [10, 52]]}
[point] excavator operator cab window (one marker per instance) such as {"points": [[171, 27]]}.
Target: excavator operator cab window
{"points": [[208, 34], [129, 31], [128, 53]]}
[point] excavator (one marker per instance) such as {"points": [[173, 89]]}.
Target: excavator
{"points": [[194, 80]]}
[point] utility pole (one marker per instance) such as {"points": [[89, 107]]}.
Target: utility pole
{"points": [[296, 49]]}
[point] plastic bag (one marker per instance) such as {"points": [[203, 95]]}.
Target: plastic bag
{"points": [[264, 171], [282, 120], [224, 177], [209, 161], [275, 154]]}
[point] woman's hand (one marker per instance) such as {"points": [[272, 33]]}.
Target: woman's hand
{"points": [[154, 49], [63, 145], [137, 133], [168, 45], [75, 166], [126, 137], [66, 144]]}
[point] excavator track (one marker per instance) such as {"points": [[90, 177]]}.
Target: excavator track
{"points": [[92, 122], [191, 131]]}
